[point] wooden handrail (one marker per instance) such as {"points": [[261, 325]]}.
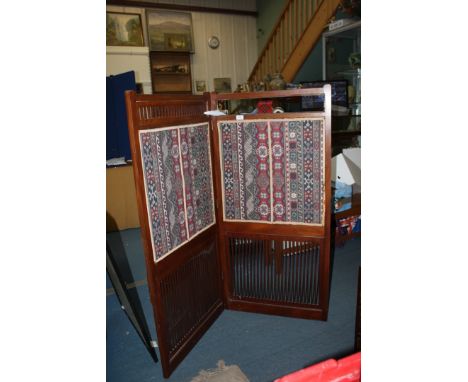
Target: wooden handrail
{"points": [[295, 33]]}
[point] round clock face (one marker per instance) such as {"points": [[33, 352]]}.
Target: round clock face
{"points": [[213, 42]]}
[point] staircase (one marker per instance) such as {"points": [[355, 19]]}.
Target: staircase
{"points": [[296, 32]]}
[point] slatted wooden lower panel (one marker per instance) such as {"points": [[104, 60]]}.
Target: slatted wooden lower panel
{"points": [[189, 294], [278, 271]]}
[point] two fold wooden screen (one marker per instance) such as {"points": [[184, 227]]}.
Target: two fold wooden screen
{"points": [[234, 211]]}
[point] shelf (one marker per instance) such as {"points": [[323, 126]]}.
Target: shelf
{"points": [[351, 26], [170, 72], [338, 47], [134, 50], [351, 72]]}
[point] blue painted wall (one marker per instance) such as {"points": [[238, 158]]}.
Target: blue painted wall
{"points": [[311, 69]]}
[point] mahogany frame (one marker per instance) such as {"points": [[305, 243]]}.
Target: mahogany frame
{"points": [[319, 235], [194, 259], [147, 112]]}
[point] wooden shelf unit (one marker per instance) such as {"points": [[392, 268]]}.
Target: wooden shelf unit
{"points": [[171, 72]]}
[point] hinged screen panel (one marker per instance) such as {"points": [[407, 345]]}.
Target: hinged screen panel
{"points": [[273, 206], [172, 159]]}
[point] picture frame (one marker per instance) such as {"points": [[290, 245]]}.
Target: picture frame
{"points": [[200, 86], [124, 29], [169, 31], [222, 85]]}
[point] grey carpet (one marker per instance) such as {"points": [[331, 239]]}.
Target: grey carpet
{"points": [[264, 347]]}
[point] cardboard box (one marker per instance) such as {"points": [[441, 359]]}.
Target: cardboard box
{"points": [[353, 159], [344, 170]]}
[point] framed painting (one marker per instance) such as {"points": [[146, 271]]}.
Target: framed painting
{"points": [[200, 86], [124, 29], [169, 31], [222, 85]]}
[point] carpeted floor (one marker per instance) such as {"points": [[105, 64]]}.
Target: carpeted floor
{"points": [[264, 347]]}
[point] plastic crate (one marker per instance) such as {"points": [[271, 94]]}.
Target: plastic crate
{"points": [[346, 369]]}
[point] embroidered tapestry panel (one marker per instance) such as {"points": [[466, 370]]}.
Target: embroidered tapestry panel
{"points": [[273, 170], [178, 184], [246, 166], [196, 164]]}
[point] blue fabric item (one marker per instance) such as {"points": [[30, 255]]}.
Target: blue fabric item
{"points": [[357, 227], [342, 196], [117, 141]]}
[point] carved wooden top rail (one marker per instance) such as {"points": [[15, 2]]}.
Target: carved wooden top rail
{"points": [[272, 93], [152, 110]]}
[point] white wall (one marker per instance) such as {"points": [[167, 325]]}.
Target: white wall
{"points": [[235, 57], [121, 59], [237, 52]]}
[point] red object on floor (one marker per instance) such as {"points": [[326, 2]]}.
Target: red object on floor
{"points": [[265, 106], [344, 370]]}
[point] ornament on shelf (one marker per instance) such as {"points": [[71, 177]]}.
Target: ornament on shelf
{"points": [[277, 82]]}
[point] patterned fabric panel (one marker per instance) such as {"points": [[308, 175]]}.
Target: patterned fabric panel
{"points": [[246, 170], [178, 184], [273, 171], [196, 164], [297, 158], [164, 189]]}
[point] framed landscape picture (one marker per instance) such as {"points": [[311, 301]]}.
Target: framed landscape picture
{"points": [[222, 85], [169, 31], [124, 29]]}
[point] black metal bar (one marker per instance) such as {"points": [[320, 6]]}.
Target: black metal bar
{"points": [[137, 319]]}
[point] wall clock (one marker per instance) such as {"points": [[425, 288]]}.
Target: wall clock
{"points": [[213, 42]]}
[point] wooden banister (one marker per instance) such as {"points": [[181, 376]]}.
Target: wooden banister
{"points": [[295, 33]]}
